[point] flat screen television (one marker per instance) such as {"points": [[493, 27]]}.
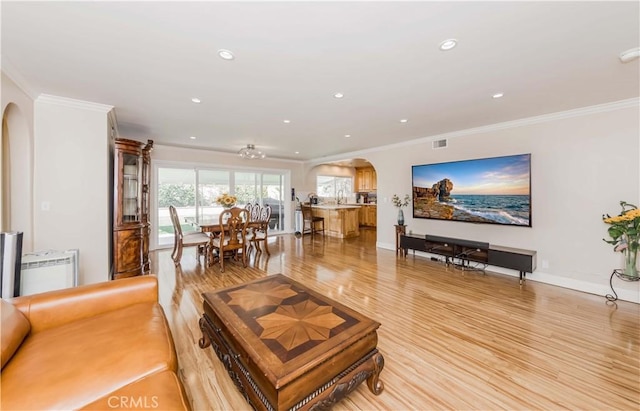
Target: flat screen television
{"points": [[493, 190]]}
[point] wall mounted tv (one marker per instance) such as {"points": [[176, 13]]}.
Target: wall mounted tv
{"points": [[493, 190]]}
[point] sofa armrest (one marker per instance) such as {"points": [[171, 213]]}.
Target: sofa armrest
{"points": [[54, 308]]}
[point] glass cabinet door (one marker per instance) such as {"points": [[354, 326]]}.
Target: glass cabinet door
{"points": [[130, 188], [130, 244]]}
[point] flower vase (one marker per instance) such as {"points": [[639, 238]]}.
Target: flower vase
{"points": [[400, 217], [630, 266]]}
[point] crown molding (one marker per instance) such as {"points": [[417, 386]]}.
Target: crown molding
{"points": [[14, 74], [73, 103], [583, 111]]}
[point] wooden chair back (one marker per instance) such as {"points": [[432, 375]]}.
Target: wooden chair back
{"points": [[199, 239], [175, 220], [233, 228], [306, 212], [258, 227], [254, 211], [309, 220], [265, 215]]}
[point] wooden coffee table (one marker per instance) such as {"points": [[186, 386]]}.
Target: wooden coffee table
{"points": [[289, 348]]}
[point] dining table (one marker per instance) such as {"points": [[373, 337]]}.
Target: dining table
{"points": [[211, 226]]}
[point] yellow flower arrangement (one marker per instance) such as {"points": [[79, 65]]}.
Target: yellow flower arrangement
{"points": [[226, 200], [624, 231]]}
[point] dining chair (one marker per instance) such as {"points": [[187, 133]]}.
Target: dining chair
{"points": [[233, 234], [254, 211], [257, 232], [308, 219], [181, 240]]}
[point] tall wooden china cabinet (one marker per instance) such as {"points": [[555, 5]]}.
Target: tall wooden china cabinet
{"points": [[131, 228]]}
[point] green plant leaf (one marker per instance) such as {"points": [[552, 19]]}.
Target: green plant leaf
{"points": [[615, 232]]}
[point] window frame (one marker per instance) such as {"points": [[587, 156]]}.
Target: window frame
{"points": [[285, 221], [335, 184]]}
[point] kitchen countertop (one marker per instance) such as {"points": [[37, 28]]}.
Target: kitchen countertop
{"points": [[335, 206]]}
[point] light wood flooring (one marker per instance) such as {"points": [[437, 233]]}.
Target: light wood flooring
{"points": [[451, 340]]}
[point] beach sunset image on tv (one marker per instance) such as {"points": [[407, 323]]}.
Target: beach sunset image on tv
{"points": [[490, 190]]}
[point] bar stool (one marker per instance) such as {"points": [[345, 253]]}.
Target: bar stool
{"points": [[310, 220]]}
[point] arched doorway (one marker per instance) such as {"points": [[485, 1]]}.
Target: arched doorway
{"points": [[329, 179]]}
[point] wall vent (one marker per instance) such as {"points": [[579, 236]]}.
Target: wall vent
{"points": [[439, 143]]}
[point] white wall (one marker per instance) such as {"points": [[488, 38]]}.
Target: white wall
{"points": [[583, 163], [71, 182], [17, 110]]}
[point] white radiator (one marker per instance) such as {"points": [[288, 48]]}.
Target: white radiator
{"points": [[48, 270]]}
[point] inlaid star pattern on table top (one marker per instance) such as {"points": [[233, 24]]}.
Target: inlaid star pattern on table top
{"points": [[293, 325], [261, 295]]}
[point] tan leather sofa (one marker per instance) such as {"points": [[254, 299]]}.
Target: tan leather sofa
{"points": [[102, 346]]}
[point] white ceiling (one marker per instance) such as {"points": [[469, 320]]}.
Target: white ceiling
{"points": [[148, 59]]}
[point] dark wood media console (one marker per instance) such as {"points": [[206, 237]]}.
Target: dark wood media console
{"points": [[465, 251]]}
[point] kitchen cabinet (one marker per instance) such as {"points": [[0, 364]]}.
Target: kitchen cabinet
{"points": [[368, 215], [372, 215], [339, 221], [131, 227], [366, 179]]}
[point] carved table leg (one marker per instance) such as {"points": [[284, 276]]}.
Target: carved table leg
{"points": [[375, 385], [204, 342]]}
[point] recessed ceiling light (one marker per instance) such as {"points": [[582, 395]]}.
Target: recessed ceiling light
{"points": [[448, 44], [196, 100], [347, 135], [286, 121], [498, 95], [225, 54], [404, 120], [297, 152], [193, 137], [338, 95]]}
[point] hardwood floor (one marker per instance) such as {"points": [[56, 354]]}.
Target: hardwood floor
{"points": [[451, 340]]}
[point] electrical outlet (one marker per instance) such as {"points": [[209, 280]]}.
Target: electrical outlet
{"points": [[45, 206], [545, 263]]}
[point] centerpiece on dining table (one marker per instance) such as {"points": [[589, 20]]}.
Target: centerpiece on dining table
{"points": [[226, 200]]}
